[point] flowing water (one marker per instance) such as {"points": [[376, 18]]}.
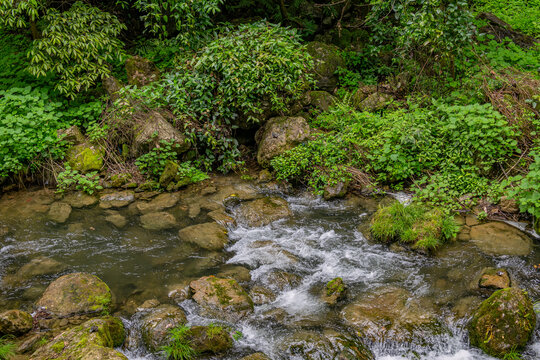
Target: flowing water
{"points": [[322, 240]]}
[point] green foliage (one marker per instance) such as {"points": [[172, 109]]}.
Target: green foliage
{"points": [[73, 180], [527, 188], [7, 349], [153, 162], [29, 121], [414, 224], [77, 45], [523, 15], [237, 335], [190, 174], [18, 13], [96, 132], [508, 54], [179, 347]]}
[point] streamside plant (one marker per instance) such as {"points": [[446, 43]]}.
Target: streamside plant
{"points": [[7, 349], [179, 347]]}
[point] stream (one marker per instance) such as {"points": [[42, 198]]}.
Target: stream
{"points": [[294, 258]]}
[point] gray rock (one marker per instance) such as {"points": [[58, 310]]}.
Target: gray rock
{"points": [[115, 218]]}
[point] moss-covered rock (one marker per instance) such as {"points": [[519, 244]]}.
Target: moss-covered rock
{"points": [[93, 340], [261, 212], [374, 102], [320, 100], [141, 71], [85, 157], [503, 323], [327, 59], [172, 179], [155, 326], [209, 236], [221, 298], [336, 191], [334, 291], [211, 339], [15, 322], [278, 135], [76, 294]]}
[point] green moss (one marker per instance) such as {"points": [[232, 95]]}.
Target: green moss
{"points": [[335, 286], [415, 225], [85, 158], [58, 347], [221, 293]]}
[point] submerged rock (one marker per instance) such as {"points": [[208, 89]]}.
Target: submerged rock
{"points": [[59, 212], [38, 267], [158, 221], [76, 294], [497, 238], [503, 323], [262, 295], [80, 200], [209, 236], [282, 280], [93, 340], [156, 325], [15, 322], [278, 135], [334, 291], [492, 278], [116, 200], [326, 59], [221, 298], [263, 211], [117, 219]]}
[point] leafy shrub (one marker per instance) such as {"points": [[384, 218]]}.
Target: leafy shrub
{"points": [[179, 347], [18, 14], [190, 174], [73, 180], [527, 189], [153, 162], [77, 45], [416, 225]]}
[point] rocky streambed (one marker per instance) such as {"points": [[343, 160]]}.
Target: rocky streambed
{"points": [[255, 271]]}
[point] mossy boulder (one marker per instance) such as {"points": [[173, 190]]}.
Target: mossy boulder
{"points": [[209, 236], [76, 294], [85, 157], [320, 100], [211, 339], [336, 191], [503, 323], [155, 326], [334, 291], [93, 340], [221, 298], [327, 59], [374, 102], [278, 135], [261, 212], [151, 130], [141, 71], [15, 322], [172, 179]]}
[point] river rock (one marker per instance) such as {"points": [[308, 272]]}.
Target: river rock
{"points": [[93, 340], [282, 280], [334, 291], [156, 325], [209, 236], [80, 200], [154, 129], [15, 322], [222, 218], [38, 267], [263, 211], [256, 356], [497, 238], [278, 135], [4, 231], [388, 313], [85, 157], [76, 294], [221, 298], [159, 203], [261, 295], [59, 212], [503, 323], [141, 71], [492, 278], [117, 219], [326, 60], [158, 221], [212, 339], [116, 200], [336, 191]]}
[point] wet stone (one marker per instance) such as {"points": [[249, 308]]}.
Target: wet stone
{"points": [[209, 236], [222, 218], [492, 278], [80, 200], [59, 212], [334, 291], [15, 322], [38, 267], [156, 325], [261, 295], [116, 199], [158, 221], [159, 203], [115, 218], [497, 238], [264, 211]]}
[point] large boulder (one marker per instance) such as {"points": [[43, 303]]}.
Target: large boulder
{"points": [[76, 294], [327, 60], [221, 298], [93, 340], [155, 326], [374, 102], [141, 71], [212, 339], [498, 238], [278, 135], [209, 236], [158, 221], [151, 130], [503, 323], [261, 212], [15, 322], [112, 86], [85, 157]]}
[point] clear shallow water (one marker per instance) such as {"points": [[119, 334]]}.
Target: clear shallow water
{"points": [[322, 241]]}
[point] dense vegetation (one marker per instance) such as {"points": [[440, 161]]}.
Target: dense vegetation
{"points": [[456, 122]]}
